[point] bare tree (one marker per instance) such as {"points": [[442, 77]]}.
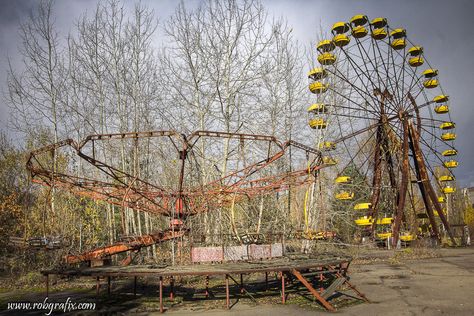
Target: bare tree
{"points": [[34, 94]]}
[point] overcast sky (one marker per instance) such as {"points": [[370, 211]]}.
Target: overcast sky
{"points": [[443, 28]]}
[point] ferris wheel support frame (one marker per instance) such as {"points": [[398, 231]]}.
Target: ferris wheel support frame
{"points": [[425, 185]]}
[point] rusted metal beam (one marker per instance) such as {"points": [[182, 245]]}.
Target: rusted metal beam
{"points": [[377, 179], [137, 243], [402, 190], [315, 293], [421, 186], [428, 187], [241, 136]]}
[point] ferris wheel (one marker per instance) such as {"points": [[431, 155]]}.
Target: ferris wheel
{"points": [[392, 137]]}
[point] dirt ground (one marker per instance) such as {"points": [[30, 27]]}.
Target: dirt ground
{"points": [[396, 285]]}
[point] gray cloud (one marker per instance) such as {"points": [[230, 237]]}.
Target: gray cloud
{"points": [[443, 28]]}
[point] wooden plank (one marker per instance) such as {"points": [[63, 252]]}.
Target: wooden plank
{"points": [[315, 293], [333, 287]]}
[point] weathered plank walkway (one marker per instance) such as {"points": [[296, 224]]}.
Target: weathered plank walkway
{"points": [[323, 267]]}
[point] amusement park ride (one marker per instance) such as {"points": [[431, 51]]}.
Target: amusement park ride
{"points": [[186, 195], [379, 108], [390, 119]]}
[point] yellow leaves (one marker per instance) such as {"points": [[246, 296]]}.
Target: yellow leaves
{"points": [[469, 216], [11, 215]]}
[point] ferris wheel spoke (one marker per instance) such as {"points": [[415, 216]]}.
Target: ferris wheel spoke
{"points": [[359, 75], [360, 151], [380, 80], [402, 71], [362, 93], [375, 43], [348, 150], [415, 88]]}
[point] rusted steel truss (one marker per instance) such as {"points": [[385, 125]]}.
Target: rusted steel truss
{"points": [[134, 244], [118, 187]]}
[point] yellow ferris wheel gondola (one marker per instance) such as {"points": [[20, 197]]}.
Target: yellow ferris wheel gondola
{"points": [[359, 20], [364, 221], [318, 87], [398, 39], [341, 40], [329, 161], [343, 180], [379, 34], [430, 73], [317, 123], [326, 59], [447, 125], [449, 152], [441, 109], [362, 206], [407, 237], [446, 178], [448, 136], [327, 146], [318, 108], [340, 27], [449, 190], [359, 31], [344, 195], [441, 98], [325, 46], [415, 51], [378, 23], [451, 164], [385, 221], [416, 61], [317, 73], [384, 235]]}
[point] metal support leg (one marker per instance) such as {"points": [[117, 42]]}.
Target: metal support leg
{"points": [[207, 286], [135, 286], [108, 285], [321, 278], [283, 296], [97, 286], [47, 285], [172, 288], [227, 297], [266, 281], [161, 294], [241, 283]]}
